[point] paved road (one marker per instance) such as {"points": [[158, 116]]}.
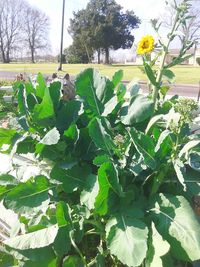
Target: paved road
{"points": [[182, 90]]}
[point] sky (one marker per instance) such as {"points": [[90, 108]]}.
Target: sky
{"points": [[144, 9]]}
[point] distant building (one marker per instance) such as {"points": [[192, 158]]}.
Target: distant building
{"points": [[174, 53]]}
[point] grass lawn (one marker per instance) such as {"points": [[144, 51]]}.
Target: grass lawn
{"points": [[184, 74]]}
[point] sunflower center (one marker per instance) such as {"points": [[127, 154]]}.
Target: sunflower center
{"points": [[145, 45]]}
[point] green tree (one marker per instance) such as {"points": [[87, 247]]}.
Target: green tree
{"points": [[63, 58], [76, 53], [103, 25]]}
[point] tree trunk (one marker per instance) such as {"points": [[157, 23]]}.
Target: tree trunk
{"points": [[195, 53], [7, 58], [107, 61], [99, 56], [3, 55], [32, 56]]}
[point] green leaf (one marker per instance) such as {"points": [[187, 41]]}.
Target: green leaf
{"points": [[162, 139], [72, 133], [169, 75], [67, 114], [180, 172], [6, 260], [41, 87], [7, 136], [145, 146], [7, 179], [37, 239], [22, 102], [100, 159], [179, 60], [176, 222], [88, 195], [31, 101], [110, 106], [51, 138], [73, 261], [28, 197], [55, 93], [157, 248], [108, 181], [63, 214], [43, 113], [100, 136], [117, 77], [72, 179], [134, 88], [91, 87], [194, 161], [127, 239], [150, 74], [186, 149], [62, 242], [141, 108]]}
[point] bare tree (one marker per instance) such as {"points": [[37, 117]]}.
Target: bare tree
{"points": [[191, 28], [10, 25], [36, 30]]}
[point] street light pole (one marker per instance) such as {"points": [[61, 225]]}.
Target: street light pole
{"points": [[62, 30]]}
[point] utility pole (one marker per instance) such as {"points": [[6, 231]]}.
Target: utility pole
{"points": [[62, 30]]}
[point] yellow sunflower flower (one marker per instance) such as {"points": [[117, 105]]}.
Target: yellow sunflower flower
{"points": [[146, 45]]}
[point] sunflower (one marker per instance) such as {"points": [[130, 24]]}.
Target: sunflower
{"points": [[146, 45]]}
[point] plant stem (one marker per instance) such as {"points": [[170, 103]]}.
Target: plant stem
{"points": [[79, 252], [166, 50]]}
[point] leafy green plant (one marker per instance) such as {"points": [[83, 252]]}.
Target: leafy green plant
{"points": [[99, 180], [114, 179]]}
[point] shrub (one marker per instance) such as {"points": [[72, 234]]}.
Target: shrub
{"points": [[198, 61]]}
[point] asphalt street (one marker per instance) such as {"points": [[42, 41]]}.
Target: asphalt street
{"points": [[177, 89]]}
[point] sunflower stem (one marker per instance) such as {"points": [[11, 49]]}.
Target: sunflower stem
{"points": [[162, 63]]}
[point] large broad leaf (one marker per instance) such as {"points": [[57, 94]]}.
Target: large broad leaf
{"points": [[90, 86], [72, 179], [37, 239], [43, 113], [51, 138], [108, 182], [117, 77], [176, 222], [94, 89], [28, 197], [110, 106], [41, 85], [7, 136], [62, 241], [55, 93], [22, 101], [127, 239], [88, 195], [145, 146], [6, 260], [100, 136], [141, 108], [192, 182], [157, 248], [67, 114]]}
